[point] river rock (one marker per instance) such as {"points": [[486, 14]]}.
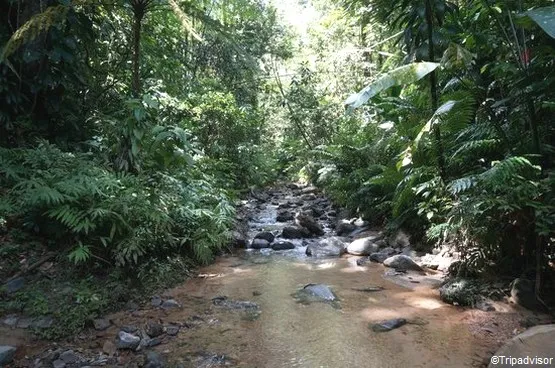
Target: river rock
{"points": [[344, 228], [362, 246], [69, 357], [329, 247], [284, 216], [260, 244], [154, 329], [459, 291], [293, 232], [283, 245], [266, 235], [316, 293], [154, 360], [402, 262], [156, 301], [378, 257], [127, 341], [388, 325], [58, 363], [523, 293], [309, 190], [170, 304], [7, 354], [238, 240], [534, 342], [308, 222], [172, 330], [101, 324]]}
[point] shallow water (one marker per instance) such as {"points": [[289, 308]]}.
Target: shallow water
{"points": [[287, 333], [291, 334]]}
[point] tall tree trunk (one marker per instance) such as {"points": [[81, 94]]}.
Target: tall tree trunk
{"points": [[138, 15], [433, 90]]}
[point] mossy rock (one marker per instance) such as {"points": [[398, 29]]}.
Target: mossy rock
{"points": [[459, 291]]}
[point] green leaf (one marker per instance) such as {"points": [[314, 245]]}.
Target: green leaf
{"points": [[545, 18], [404, 75]]}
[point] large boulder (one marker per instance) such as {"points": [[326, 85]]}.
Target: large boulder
{"points": [[363, 246], [379, 257], [238, 240], [309, 223], [523, 293], [402, 262], [329, 247], [266, 235], [294, 232], [534, 343]]}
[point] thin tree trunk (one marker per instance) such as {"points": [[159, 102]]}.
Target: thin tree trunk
{"points": [[138, 13], [433, 90]]}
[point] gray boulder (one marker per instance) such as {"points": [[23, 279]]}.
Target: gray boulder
{"points": [[309, 223], [69, 357], [329, 247], [266, 235], [283, 245], [260, 244], [14, 285], [534, 342], [127, 341], [293, 232], [7, 354], [363, 246], [402, 262]]}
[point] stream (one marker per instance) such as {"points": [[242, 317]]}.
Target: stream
{"points": [[244, 309]]}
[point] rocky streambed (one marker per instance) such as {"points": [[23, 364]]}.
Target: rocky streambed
{"points": [[310, 288]]}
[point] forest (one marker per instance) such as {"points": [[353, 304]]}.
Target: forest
{"points": [[130, 130]]}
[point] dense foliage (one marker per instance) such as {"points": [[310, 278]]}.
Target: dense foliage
{"points": [[127, 127], [451, 136]]}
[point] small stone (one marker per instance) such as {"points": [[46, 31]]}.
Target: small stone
{"points": [[388, 325], [154, 329], [260, 244], [266, 235], [127, 341], [283, 245], [149, 343], [58, 364], [69, 357], [156, 301], [172, 330], [7, 354], [170, 303], [129, 329], [101, 324], [11, 320], [109, 348], [14, 285], [153, 360]]}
